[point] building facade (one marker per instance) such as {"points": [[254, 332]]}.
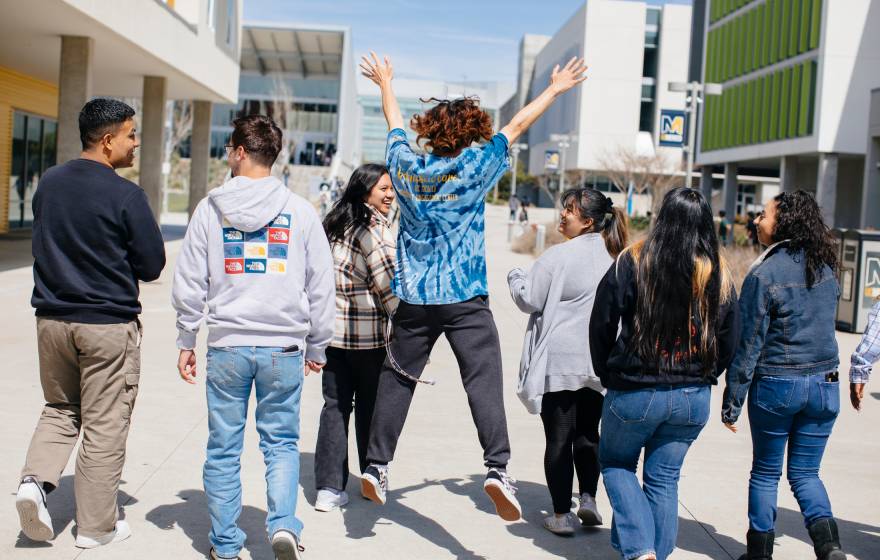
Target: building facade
{"points": [[797, 77], [410, 93], [57, 54], [302, 76], [633, 51]]}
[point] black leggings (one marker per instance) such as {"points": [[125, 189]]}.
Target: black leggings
{"points": [[571, 428]]}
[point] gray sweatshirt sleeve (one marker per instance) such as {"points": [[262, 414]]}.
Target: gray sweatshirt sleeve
{"points": [[189, 292], [530, 290], [320, 289]]}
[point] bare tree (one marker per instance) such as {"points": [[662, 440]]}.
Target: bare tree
{"points": [[282, 110], [655, 173]]}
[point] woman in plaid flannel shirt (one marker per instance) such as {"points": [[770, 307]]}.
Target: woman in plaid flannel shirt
{"points": [[363, 248], [863, 359]]}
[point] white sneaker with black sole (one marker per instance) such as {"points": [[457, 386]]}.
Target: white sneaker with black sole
{"points": [[499, 486], [588, 512], [119, 534], [329, 499], [374, 483], [286, 546], [36, 523]]}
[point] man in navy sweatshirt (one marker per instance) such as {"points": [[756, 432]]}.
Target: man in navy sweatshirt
{"points": [[94, 239]]}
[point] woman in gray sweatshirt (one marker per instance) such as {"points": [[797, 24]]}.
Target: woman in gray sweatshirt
{"points": [[556, 378]]}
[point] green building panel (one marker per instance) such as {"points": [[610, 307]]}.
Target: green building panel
{"points": [[784, 102], [765, 108], [804, 28], [794, 25], [794, 101], [774, 106], [774, 14], [785, 21]]}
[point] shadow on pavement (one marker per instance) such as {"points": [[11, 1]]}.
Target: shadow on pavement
{"points": [[856, 539], [62, 508]]}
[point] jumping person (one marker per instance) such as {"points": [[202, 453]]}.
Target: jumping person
{"points": [[95, 238], [441, 278], [674, 300], [255, 254], [363, 248], [556, 377], [786, 364]]}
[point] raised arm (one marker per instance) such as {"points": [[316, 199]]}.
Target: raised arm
{"points": [[381, 74], [560, 82]]}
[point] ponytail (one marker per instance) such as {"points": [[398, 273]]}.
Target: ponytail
{"points": [[615, 231]]}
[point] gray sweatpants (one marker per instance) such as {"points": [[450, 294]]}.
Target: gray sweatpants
{"points": [[470, 330]]}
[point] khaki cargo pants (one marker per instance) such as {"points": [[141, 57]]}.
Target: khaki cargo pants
{"points": [[89, 375]]}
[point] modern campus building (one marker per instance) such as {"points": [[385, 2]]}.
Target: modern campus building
{"points": [[57, 54], [633, 51], [410, 92], [797, 77], [303, 76]]}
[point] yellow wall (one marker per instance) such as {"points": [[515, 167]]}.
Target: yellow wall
{"points": [[24, 93]]}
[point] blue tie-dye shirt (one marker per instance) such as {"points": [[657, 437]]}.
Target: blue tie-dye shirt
{"points": [[441, 253]]}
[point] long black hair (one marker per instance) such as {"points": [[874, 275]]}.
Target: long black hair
{"points": [[609, 220], [350, 210], [681, 281], [799, 219]]}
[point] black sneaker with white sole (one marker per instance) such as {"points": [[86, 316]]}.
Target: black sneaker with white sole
{"points": [[374, 483], [499, 486]]}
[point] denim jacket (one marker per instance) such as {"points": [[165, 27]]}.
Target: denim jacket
{"points": [[787, 328]]}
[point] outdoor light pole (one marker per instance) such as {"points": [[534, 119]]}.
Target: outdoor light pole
{"points": [[695, 93], [514, 150], [564, 142]]}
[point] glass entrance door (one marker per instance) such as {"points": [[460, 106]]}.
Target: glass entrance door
{"points": [[33, 151]]}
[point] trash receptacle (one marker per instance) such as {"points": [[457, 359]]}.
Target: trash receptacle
{"points": [[859, 278]]}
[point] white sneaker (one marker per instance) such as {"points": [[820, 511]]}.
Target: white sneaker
{"points": [[329, 499], [36, 523], [122, 532], [588, 513], [286, 546], [499, 486], [648, 556], [559, 525]]}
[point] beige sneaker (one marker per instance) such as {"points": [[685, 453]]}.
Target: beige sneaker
{"points": [[562, 526]]}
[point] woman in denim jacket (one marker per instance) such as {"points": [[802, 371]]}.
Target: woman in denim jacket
{"points": [[786, 363], [674, 302]]}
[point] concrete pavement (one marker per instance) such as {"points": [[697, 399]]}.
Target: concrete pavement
{"points": [[436, 506]]}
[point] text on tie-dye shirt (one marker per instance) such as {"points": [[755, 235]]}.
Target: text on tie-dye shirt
{"points": [[441, 255]]}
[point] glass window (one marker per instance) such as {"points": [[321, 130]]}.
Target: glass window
{"points": [[211, 14], [230, 23], [648, 92], [33, 151], [652, 16], [646, 117], [649, 65], [652, 37]]}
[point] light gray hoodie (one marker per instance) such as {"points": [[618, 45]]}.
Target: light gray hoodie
{"points": [[257, 255]]}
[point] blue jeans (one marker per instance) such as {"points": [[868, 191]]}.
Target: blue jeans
{"points": [[278, 379], [663, 421], [797, 411]]}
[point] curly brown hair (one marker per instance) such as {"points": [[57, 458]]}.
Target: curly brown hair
{"points": [[799, 218], [453, 125]]}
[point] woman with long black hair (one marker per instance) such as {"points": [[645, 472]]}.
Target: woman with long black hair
{"points": [[363, 248], [786, 364], [556, 377], [674, 300]]}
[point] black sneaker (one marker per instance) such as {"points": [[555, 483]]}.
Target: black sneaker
{"points": [[374, 483], [499, 486]]}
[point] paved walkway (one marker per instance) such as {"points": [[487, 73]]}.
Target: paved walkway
{"points": [[436, 506]]}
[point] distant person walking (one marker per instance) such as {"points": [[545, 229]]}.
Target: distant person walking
{"points": [[556, 377], [674, 301], [441, 279], [524, 211], [256, 257], [513, 204], [786, 365], [867, 354], [94, 239], [724, 228], [752, 229], [286, 175], [364, 253]]}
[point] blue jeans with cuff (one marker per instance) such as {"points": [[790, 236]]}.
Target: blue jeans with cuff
{"points": [[797, 412], [663, 421], [277, 378]]}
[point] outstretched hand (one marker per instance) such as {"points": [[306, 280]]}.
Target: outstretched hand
{"points": [[569, 76], [379, 72]]}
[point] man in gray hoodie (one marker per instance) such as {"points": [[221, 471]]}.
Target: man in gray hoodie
{"points": [[257, 256]]}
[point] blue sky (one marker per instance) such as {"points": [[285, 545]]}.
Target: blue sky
{"points": [[449, 40]]}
